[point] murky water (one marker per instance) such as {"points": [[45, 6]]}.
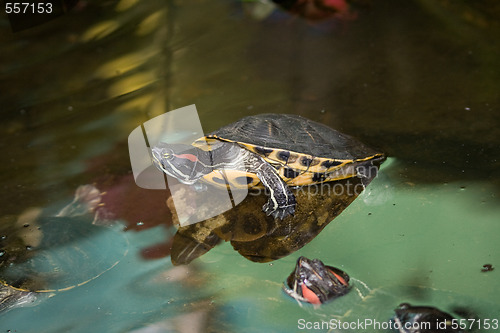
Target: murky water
{"points": [[417, 79]]}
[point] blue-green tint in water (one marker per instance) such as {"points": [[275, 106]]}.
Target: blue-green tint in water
{"points": [[417, 79]]}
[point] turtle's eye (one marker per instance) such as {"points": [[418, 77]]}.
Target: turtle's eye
{"points": [[168, 154]]}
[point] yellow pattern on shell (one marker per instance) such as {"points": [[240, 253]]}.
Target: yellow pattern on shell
{"points": [[305, 174]]}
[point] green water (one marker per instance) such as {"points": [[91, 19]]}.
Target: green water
{"points": [[417, 79]]}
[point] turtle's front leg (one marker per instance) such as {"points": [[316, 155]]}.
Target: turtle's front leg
{"points": [[281, 201]]}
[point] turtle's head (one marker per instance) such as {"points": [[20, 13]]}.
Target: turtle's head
{"points": [[315, 282], [179, 161]]}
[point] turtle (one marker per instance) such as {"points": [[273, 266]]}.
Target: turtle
{"points": [[314, 282], [47, 254], [274, 151], [424, 319]]}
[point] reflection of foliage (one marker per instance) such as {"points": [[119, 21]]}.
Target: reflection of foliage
{"points": [[99, 71]]}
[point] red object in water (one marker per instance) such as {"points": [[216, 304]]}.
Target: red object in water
{"points": [[317, 10], [123, 200]]}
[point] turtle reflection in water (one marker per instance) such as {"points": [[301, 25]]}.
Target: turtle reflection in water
{"points": [[261, 238], [46, 254], [273, 151], [314, 282], [423, 319], [293, 158]]}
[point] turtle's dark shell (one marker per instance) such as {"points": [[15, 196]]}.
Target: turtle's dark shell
{"points": [[303, 151], [294, 133]]}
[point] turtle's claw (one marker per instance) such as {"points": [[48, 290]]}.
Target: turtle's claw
{"points": [[279, 212]]}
